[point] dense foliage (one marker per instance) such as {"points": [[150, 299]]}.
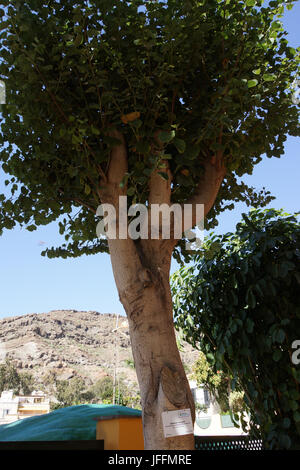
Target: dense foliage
{"points": [[239, 303], [69, 392], [75, 392], [11, 379], [213, 76], [125, 395]]}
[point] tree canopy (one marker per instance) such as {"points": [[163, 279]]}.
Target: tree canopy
{"points": [[239, 304], [214, 77]]}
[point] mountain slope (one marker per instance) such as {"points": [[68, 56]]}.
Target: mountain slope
{"points": [[71, 343]]}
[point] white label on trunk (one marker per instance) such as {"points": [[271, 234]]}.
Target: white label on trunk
{"points": [[177, 422]]}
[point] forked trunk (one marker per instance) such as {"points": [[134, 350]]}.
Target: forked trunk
{"points": [[141, 269], [145, 295]]}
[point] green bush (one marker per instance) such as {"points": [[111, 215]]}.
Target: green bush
{"points": [[239, 303]]}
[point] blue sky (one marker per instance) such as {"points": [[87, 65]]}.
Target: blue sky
{"points": [[30, 283]]}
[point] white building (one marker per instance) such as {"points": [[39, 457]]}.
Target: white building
{"points": [[210, 422], [8, 407], [13, 408]]}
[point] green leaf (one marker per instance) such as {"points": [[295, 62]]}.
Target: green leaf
{"points": [[249, 325], [293, 405], [252, 83], [164, 175], [277, 355], [166, 137], [210, 357], [251, 299], [276, 25], [87, 189], [285, 441], [72, 171], [286, 423], [179, 144], [296, 416], [268, 77], [78, 40], [280, 336], [95, 130], [131, 191], [143, 147], [137, 123], [75, 139], [31, 228]]}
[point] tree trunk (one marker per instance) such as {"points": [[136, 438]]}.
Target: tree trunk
{"points": [[141, 270], [144, 291]]}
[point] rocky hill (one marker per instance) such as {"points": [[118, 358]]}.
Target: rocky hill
{"points": [[70, 343]]}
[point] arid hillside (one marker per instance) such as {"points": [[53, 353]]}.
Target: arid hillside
{"points": [[70, 343]]}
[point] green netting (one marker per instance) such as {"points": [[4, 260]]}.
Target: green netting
{"points": [[72, 423]]}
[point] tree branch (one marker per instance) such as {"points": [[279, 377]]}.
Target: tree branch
{"points": [[206, 193], [160, 188], [110, 188], [159, 193], [208, 188]]}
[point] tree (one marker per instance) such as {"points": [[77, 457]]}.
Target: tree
{"points": [[11, 379], [27, 383], [69, 392], [161, 102], [239, 303], [103, 391], [215, 381]]}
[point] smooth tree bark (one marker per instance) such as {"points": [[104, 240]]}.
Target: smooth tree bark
{"points": [[141, 269]]}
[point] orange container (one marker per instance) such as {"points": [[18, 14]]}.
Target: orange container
{"points": [[120, 432]]}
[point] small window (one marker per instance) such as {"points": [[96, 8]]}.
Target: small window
{"points": [[193, 390], [206, 397]]}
